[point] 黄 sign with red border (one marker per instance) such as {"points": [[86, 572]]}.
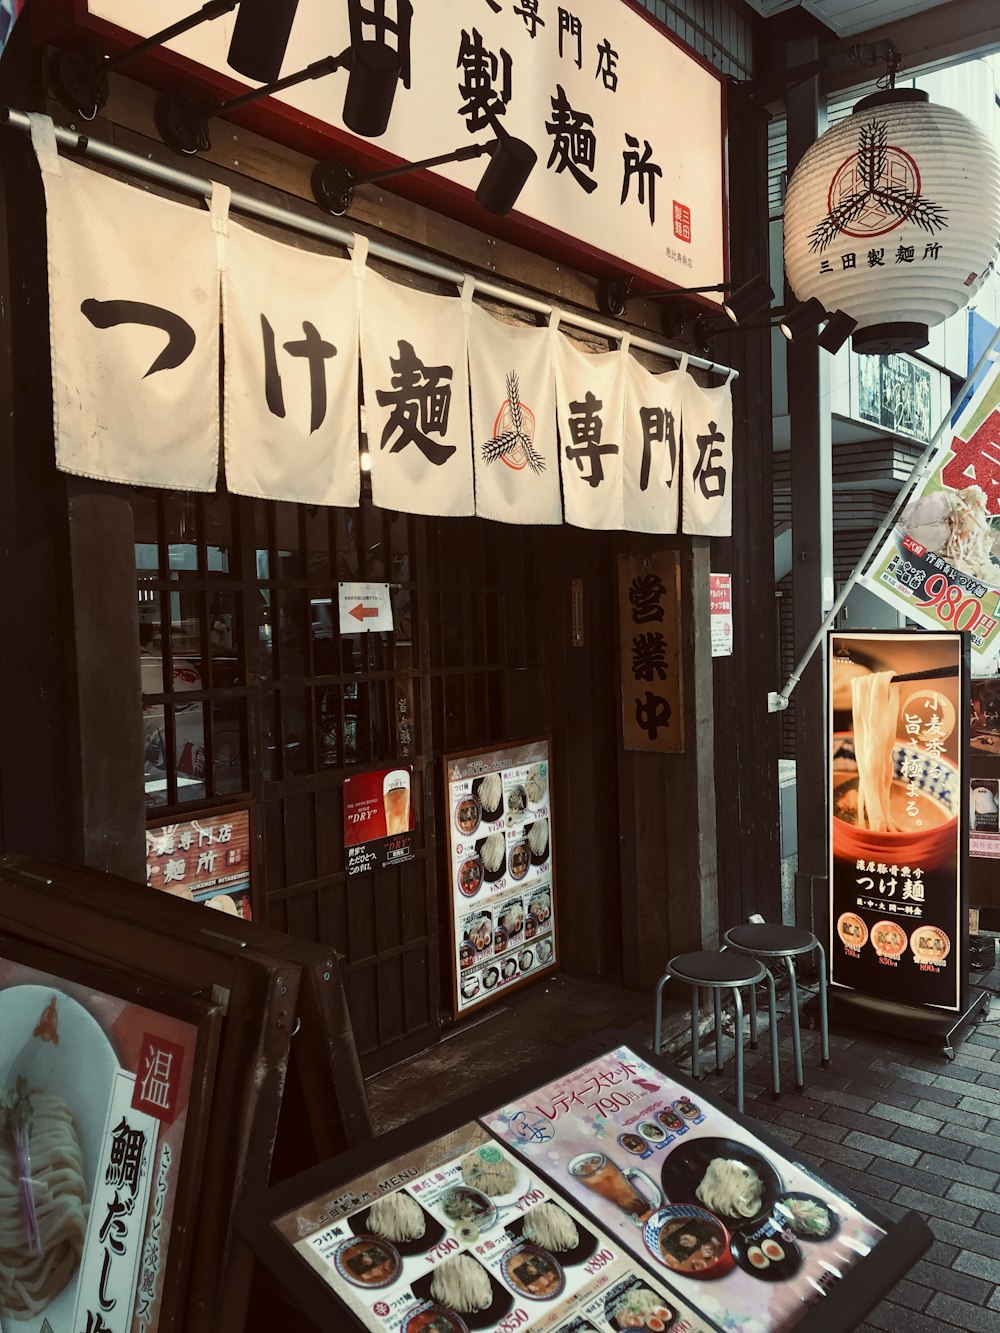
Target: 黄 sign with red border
{"points": [[628, 125], [938, 565]]}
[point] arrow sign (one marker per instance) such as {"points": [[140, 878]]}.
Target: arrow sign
{"points": [[365, 608]]}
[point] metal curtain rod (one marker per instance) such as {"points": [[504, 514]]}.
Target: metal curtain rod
{"points": [[244, 203], [777, 702]]}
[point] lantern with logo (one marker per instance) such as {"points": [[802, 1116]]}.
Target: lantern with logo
{"points": [[891, 221]]}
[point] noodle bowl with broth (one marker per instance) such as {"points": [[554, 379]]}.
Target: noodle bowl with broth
{"points": [[875, 816]]}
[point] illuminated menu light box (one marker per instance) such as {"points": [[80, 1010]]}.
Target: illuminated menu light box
{"points": [[594, 1191], [116, 1079], [898, 810], [501, 868], [628, 124]]}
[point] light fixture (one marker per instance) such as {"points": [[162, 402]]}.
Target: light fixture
{"points": [[892, 216], [260, 38], [836, 331], [182, 119], [613, 295], [802, 318], [754, 295], [78, 76], [511, 162]]}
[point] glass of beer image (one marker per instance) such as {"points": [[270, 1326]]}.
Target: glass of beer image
{"points": [[602, 1176], [396, 799]]}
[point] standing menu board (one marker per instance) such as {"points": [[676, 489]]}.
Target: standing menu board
{"points": [[898, 921], [500, 866], [600, 1193]]}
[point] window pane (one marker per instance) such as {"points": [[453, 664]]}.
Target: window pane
{"points": [[295, 731], [189, 747], [228, 730]]}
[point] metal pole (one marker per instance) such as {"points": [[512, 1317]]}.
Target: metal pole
{"points": [[122, 160], [777, 702]]}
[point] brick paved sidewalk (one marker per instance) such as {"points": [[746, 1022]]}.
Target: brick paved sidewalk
{"points": [[903, 1128]]}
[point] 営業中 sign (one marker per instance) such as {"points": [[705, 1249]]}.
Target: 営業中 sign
{"points": [[649, 631]]}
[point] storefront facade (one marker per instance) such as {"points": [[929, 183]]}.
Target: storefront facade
{"points": [[180, 653]]}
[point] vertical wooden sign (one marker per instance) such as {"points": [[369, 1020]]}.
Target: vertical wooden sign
{"points": [[649, 633]]}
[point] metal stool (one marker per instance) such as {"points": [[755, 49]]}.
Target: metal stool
{"points": [[787, 942], [718, 972]]}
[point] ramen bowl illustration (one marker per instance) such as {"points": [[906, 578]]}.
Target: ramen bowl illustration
{"points": [[923, 803]]}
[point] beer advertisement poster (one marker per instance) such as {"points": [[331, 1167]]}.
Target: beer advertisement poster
{"points": [[747, 1237], [498, 804], [898, 811], [378, 819], [101, 1118]]}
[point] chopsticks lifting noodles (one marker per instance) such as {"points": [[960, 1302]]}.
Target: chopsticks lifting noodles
{"points": [[934, 673]]}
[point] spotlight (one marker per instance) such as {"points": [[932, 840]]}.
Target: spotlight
{"points": [[836, 331], [802, 319], [511, 161], [79, 75], [747, 300], [260, 38]]}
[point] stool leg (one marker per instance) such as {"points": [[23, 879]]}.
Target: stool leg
{"points": [[824, 1018], [695, 1059], [658, 1013], [717, 996], [772, 1021], [753, 1017], [738, 1002], [793, 996]]}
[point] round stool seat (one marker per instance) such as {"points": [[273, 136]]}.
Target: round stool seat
{"points": [[715, 969], [771, 940]]}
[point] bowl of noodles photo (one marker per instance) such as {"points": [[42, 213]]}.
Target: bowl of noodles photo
{"points": [[689, 1240], [57, 1063], [367, 1261], [895, 798], [872, 817], [724, 1176]]}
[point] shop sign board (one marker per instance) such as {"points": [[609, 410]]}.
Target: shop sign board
{"points": [[115, 1092], [208, 859], [649, 633], [898, 801], [720, 605], [378, 819], [627, 123], [938, 565], [501, 868], [611, 1197]]}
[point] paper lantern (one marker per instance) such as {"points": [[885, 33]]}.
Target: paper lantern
{"points": [[893, 216]]}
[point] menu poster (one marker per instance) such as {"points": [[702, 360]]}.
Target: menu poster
{"points": [[378, 819], [748, 1238], [500, 862], [459, 1235], [898, 795], [208, 859], [96, 1101]]}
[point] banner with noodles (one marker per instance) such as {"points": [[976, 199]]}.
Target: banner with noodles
{"points": [[898, 794], [940, 564]]}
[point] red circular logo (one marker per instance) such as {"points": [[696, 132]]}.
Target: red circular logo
{"points": [[898, 178]]}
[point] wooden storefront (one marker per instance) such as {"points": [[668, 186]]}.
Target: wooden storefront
{"points": [[655, 850]]}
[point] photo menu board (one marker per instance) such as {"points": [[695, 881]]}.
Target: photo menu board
{"points": [[500, 864], [897, 801], [449, 1239], [612, 1197]]}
